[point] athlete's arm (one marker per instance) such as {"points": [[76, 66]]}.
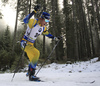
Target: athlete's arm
{"points": [[26, 19], [46, 33]]}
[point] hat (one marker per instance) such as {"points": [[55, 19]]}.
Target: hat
{"points": [[45, 15]]}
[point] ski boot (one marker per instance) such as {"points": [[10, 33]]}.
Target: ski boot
{"points": [[31, 75]]}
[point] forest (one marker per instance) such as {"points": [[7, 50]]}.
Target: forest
{"points": [[78, 21]]}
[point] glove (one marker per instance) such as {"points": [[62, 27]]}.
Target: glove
{"points": [[23, 44], [36, 8], [56, 39]]}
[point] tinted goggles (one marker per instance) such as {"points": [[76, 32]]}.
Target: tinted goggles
{"points": [[46, 20]]}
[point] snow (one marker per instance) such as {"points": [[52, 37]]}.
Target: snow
{"points": [[77, 74]]}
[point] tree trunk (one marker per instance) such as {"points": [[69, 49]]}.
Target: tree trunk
{"points": [[15, 31], [75, 31], [53, 20], [43, 35], [96, 39], [90, 30], [98, 14]]}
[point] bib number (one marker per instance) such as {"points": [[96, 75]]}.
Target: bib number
{"points": [[36, 35]]}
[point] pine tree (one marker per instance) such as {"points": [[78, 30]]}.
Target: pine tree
{"points": [[5, 52], [7, 40]]}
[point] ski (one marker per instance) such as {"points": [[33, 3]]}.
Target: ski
{"points": [[35, 79]]}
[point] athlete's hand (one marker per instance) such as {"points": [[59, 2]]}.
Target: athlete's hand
{"points": [[56, 39], [37, 8], [23, 44]]}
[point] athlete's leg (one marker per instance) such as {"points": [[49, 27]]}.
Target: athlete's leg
{"points": [[33, 55]]}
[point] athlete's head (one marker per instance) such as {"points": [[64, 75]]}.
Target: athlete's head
{"points": [[44, 18]]}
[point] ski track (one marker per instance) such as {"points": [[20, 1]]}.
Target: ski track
{"points": [[58, 79], [58, 75]]}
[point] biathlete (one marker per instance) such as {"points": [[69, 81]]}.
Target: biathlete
{"points": [[35, 28]]}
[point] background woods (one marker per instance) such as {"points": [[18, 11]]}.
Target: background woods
{"points": [[77, 20]]}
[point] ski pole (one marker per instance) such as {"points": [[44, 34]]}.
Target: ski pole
{"points": [[48, 57], [17, 65]]}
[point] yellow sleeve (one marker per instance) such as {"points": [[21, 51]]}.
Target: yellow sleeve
{"points": [[45, 32], [31, 23]]}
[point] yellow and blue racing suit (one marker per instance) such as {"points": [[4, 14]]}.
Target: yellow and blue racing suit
{"points": [[33, 30]]}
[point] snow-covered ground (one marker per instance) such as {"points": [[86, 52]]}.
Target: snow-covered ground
{"points": [[77, 74]]}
